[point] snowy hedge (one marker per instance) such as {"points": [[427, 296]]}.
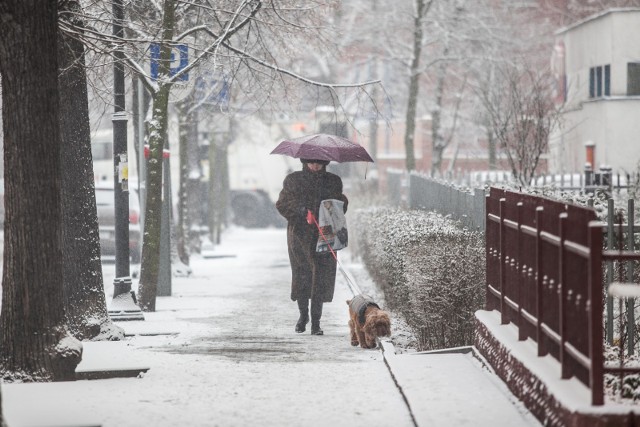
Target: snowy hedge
{"points": [[431, 271]]}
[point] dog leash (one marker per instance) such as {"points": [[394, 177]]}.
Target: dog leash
{"points": [[352, 286]]}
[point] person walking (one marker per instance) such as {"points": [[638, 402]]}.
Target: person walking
{"points": [[313, 274]]}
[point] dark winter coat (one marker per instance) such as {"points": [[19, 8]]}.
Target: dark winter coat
{"points": [[312, 273]]}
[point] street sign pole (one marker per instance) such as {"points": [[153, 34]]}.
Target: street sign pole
{"points": [[123, 305], [164, 269]]}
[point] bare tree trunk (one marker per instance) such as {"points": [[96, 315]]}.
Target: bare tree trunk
{"points": [[35, 344], [436, 122], [493, 152], [422, 7], [148, 286], [82, 270], [414, 87]]}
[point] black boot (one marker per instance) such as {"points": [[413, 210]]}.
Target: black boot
{"points": [[303, 306], [316, 314]]}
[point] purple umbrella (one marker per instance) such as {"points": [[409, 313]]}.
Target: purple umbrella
{"points": [[323, 147]]}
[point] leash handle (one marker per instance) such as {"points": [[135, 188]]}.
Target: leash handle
{"points": [[322, 234]]}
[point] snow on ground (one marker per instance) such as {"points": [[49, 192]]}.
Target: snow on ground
{"points": [[227, 356], [235, 361]]}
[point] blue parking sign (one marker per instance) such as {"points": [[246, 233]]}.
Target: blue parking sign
{"points": [[179, 55]]}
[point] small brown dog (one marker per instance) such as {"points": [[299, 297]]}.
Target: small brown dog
{"points": [[368, 321]]}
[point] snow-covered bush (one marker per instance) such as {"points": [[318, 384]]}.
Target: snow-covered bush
{"points": [[431, 271]]}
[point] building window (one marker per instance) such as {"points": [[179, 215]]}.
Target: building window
{"points": [[633, 78], [600, 81]]}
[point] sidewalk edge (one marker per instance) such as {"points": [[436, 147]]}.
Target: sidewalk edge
{"points": [[388, 351]]}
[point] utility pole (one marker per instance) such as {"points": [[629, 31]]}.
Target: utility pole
{"points": [[123, 305]]}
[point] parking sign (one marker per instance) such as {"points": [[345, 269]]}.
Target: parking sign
{"points": [[179, 60]]}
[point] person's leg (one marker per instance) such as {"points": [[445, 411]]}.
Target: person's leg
{"points": [[303, 306], [301, 267], [316, 314], [324, 277]]}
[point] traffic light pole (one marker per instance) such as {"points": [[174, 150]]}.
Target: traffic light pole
{"points": [[123, 305]]}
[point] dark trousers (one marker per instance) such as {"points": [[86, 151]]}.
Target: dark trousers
{"points": [[316, 309]]}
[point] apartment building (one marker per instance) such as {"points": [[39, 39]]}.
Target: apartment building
{"points": [[596, 62]]}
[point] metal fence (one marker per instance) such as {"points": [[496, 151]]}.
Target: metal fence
{"points": [[469, 207], [544, 274], [466, 206], [534, 246], [587, 180], [620, 236], [626, 289]]}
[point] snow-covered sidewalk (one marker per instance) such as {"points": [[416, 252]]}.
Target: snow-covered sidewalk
{"points": [[227, 355]]}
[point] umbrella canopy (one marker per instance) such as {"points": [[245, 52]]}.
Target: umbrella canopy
{"points": [[323, 147]]}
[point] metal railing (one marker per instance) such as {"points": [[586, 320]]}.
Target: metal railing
{"points": [[534, 246], [466, 206], [544, 274]]}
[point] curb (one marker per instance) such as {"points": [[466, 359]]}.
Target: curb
{"points": [[385, 347], [388, 350]]}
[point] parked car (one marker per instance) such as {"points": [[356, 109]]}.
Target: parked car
{"points": [[254, 209], [106, 221]]}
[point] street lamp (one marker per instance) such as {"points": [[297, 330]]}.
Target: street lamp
{"points": [[123, 305]]}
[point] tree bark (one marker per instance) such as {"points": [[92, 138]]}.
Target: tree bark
{"points": [[85, 303], [422, 7], [438, 142], [150, 264], [35, 344]]}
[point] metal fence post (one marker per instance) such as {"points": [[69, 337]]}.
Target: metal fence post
{"points": [[631, 320], [540, 282], [521, 321], [562, 295], [503, 269], [480, 211], [610, 237], [596, 379]]}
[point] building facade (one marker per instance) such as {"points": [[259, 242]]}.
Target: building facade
{"points": [[597, 66]]}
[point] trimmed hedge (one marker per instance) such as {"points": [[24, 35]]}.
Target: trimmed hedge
{"points": [[431, 271]]}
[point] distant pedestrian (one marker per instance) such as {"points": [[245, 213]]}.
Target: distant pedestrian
{"points": [[313, 274]]}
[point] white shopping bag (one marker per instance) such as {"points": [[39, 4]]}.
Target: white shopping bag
{"points": [[333, 226]]}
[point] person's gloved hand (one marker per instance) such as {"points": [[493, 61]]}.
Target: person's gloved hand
{"points": [[310, 218]]}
